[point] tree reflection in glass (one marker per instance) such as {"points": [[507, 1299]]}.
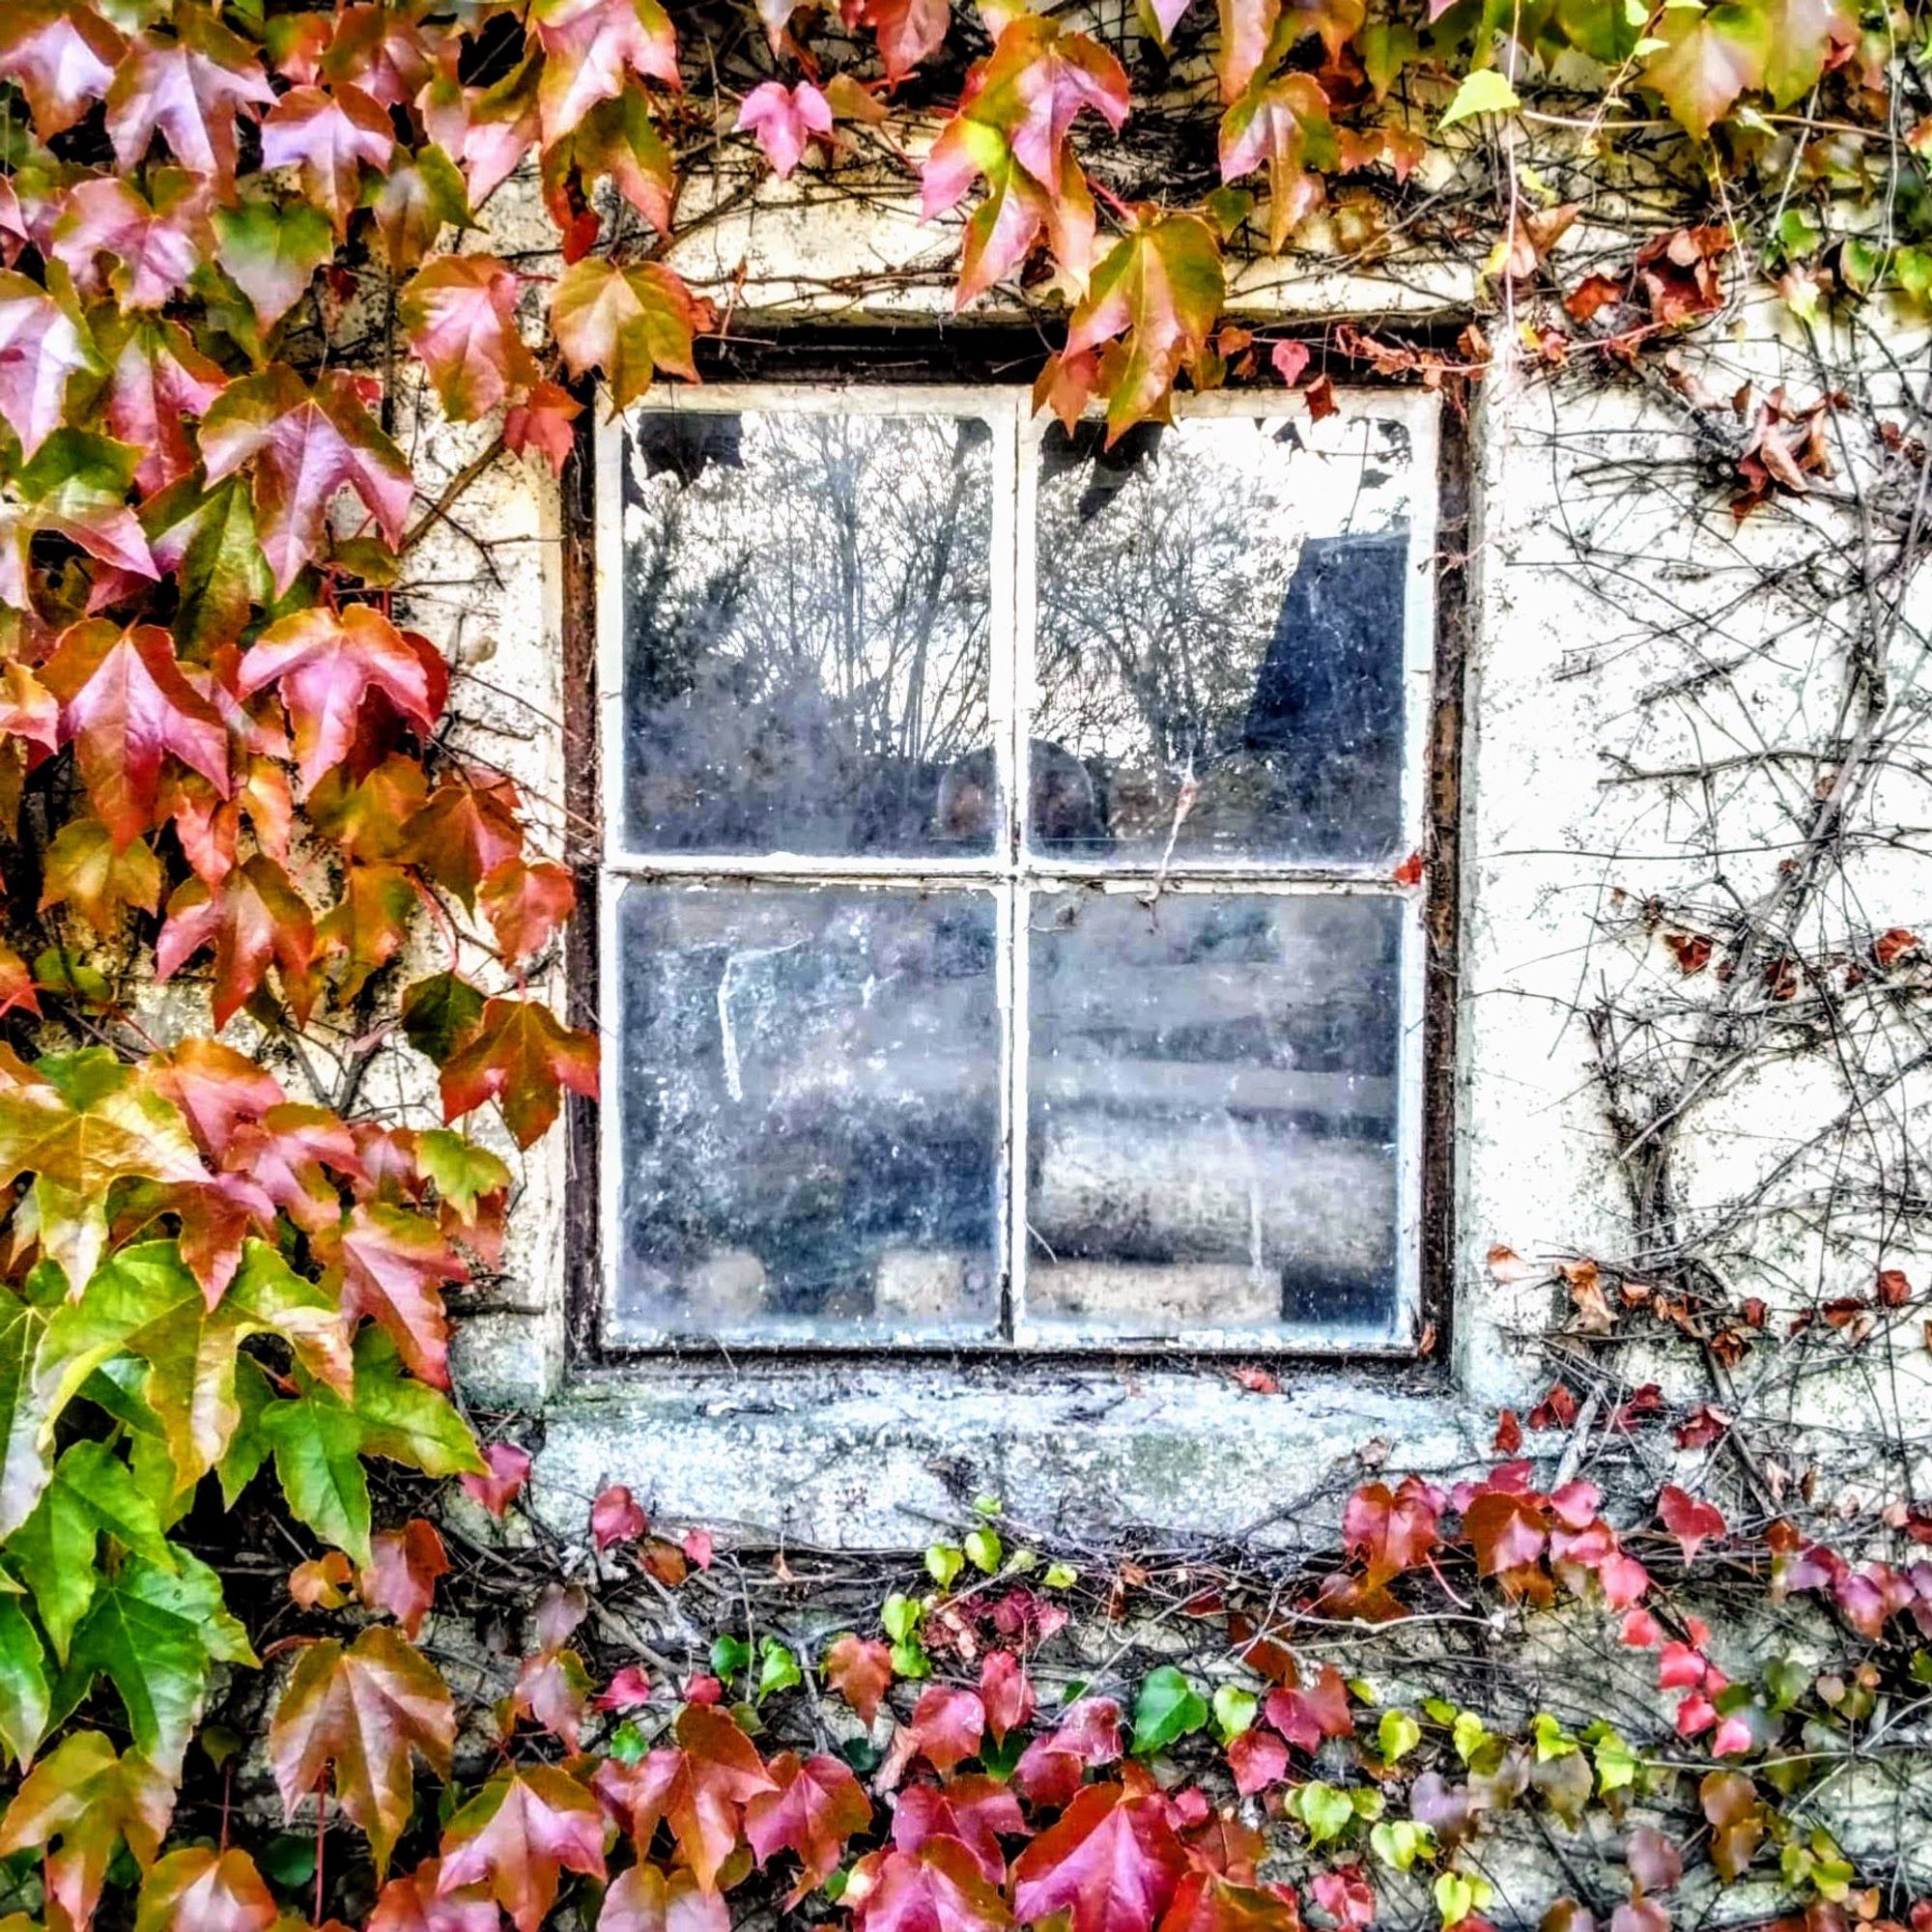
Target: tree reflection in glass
{"points": [[807, 605]]}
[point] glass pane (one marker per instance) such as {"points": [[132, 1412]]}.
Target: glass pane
{"points": [[810, 1085], [806, 634], [1220, 641], [1212, 1114]]}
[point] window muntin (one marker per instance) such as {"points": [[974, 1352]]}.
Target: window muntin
{"points": [[892, 1061]]}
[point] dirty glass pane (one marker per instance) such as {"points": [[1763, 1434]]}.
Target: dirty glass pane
{"points": [[810, 1115], [1212, 1114], [1220, 641], [805, 634]]}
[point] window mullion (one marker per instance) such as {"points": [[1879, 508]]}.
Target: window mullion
{"points": [[1019, 960]]}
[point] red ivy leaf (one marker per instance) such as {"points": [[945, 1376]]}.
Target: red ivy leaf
{"points": [[699, 1784], [939, 1887], [1689, 1518], [518, 1835], [975, 1810], [189, 91], [859, 1669], [125, 706], [616, 1516], [645, 1900], [817, 1806], [1110, 1862], [62, 57], [459, 313], [402, 1568], [509, 1471], [521, 1057], [946, 1724]]}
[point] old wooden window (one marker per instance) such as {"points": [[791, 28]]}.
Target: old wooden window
{"points": [[1001, 935]]}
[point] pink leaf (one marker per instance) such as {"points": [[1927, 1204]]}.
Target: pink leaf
{"points": [[783, 120], [1689, 1518], [509, 1471]]}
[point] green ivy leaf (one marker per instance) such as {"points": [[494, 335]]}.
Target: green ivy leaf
{"points": [[942, 1563], [154, 1637], [1327, 1811], [1400, 1841], [1167, 1707], [1487, 91], [92, 1492], [729, 1654], [26, 1706], [1398, 1734], [1235, 1711], [438, 1014], [984, 1551], [778, 1668], [317, 1441]]}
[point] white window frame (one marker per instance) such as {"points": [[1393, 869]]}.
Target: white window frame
{"points": [[1010, 874]]}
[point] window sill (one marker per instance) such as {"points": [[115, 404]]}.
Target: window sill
{"points": [[846, 1457]]}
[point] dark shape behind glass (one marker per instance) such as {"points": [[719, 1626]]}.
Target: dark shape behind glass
{"points": [[1217, 717], [807, 617]]}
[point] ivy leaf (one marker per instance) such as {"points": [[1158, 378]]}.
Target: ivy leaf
{"points": [[86, 1801], [200, 1890], [975, 1810], [155, 1634], [1207, 1902], [460, 314], [326, 663], [1110, 1862], [588, 47], [421, 196], [505, 1470], [40, 346], [946, 1724], [646, 1900], [1168, 1706], [254, 917], [526, 905], [362, 1710], [92, 1492], [438, 1014], [154, 245], [62, 57], [1486, 91], [861, 1671], [401, 1576], [939, 1887], [74, 488], [541, 425], [270, 250], [630, 321], [699, 1784], [466, 831], [79, 1124], [783, 120], [318, 1449], [1285, 124], [1802, 36], [416, 1903], [406, 1420], [521, 1057], [328, 137], [189, 91], [1708, 58], [1689, 1518], [159, 385], [306, 445], [26, 1707], [618, 140], [367, 926], [1162, 286], [908, 31], [815, 1808], [205, 540], [391, 1266], [518, 1835], [125, 706], [83, 866]]}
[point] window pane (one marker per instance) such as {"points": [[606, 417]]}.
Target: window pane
{"points": [[1212, 1102], [1220, 641], [811, 1114], [805, 644]]}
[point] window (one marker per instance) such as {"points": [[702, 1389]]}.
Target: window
{"points": [[1001, 941]]}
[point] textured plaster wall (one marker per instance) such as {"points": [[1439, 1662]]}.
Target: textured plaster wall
{"points": [[1560, 684]]}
